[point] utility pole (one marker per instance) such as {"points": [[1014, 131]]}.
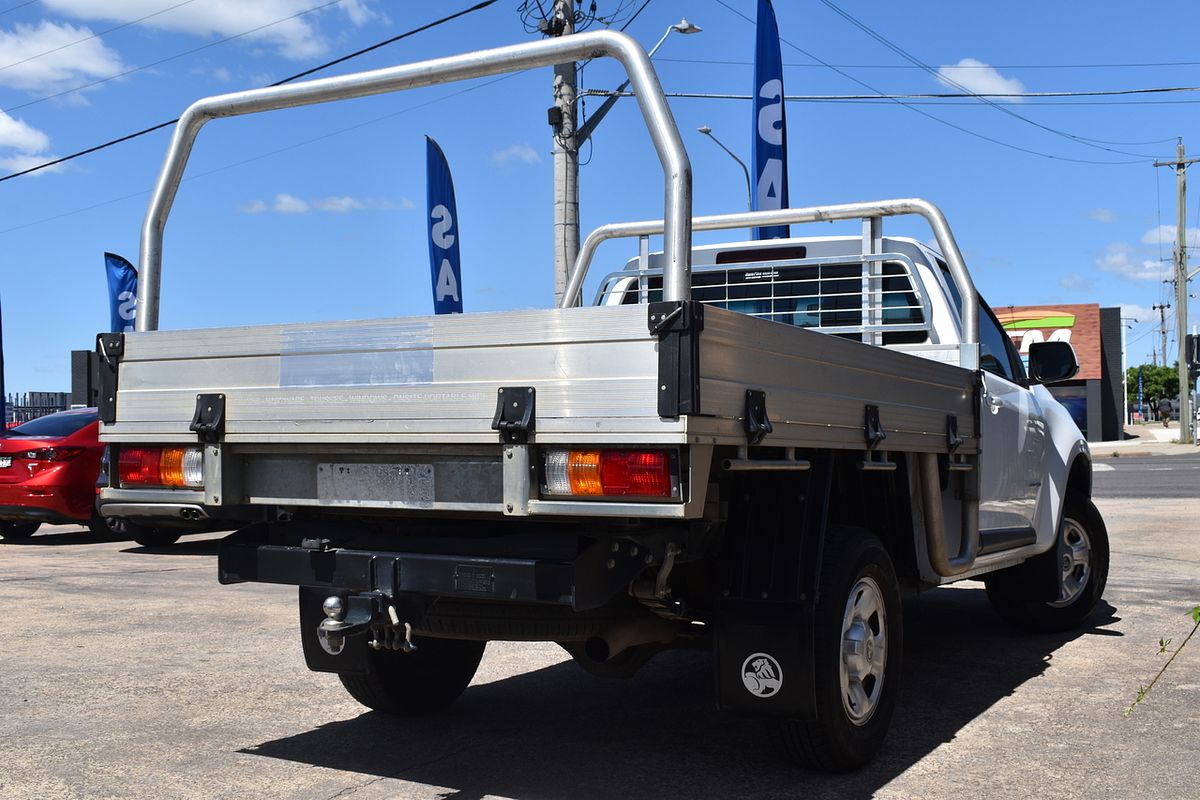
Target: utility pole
{"points": [[1162, 327], [1181, 289], [566, 154]]}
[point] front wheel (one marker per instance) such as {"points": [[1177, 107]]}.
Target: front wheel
{"points": [[18, 530], [858, 648], [425, 680], [1082, 555]]}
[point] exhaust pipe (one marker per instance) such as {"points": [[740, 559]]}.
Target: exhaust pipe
{"points": [[625, 635], [935, 524]]}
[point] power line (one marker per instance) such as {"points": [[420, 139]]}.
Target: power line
{"points": [[945, 95], [477, 7], [261, 156], [1098, 144], [18, 5], [800, 65], [926, 114], [95, 35], [192, 51]]}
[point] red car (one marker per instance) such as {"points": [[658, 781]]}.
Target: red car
{"points": [[48, 471]]}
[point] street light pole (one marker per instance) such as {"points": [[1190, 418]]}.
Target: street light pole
{"points": [[1125, 375], [585, 132], [707, 131]]}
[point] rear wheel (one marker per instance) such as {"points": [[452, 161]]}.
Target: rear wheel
{"points": [[859, 640], [428, 679], [18, 530], [1082, 555]]}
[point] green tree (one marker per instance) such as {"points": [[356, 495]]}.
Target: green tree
{"points": [[1156, 381]]}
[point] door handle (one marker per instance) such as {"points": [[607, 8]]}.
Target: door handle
{"points": [[995, 404]]}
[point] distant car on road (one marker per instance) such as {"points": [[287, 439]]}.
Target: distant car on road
{"points": [[48, 469]]}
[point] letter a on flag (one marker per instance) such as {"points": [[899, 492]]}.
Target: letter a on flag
{"points": [[442, 225], [770, 126], [122, 292]]}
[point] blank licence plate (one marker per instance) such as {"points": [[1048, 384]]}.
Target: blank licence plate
{"points": [[376, 484], [5, 462]]}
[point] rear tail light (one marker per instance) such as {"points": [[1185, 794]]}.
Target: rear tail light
{"points": [[52, 453], [171, 467], [610, 473]]}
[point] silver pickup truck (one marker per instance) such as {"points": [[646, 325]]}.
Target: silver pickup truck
{"points": [[753, 448]]}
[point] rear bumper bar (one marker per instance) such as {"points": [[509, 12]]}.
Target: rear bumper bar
{"points": [[587, 581]]}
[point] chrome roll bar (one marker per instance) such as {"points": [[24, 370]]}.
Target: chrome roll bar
{"points": [[677, 170], [785, 216]]}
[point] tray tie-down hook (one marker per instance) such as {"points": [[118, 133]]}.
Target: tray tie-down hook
{"points": [[874, 435]]}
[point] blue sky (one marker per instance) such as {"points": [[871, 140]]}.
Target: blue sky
{"points": [[318, 213]]}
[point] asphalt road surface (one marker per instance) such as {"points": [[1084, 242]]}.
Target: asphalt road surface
{"points": [[1148, 476], [130, 673]]}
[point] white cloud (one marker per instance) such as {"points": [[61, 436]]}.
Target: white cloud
{"points": [[338, 205], [27, 145], [1136, 313], [289, 204], [1165, 234], [62, 69], [1075, 281], [22, 161], [519, 152], [1119, 258], [222, 74], [1102, 215], [977, 77], [16, 134], [295, 36]]}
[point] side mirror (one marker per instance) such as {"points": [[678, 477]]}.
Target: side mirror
{"points": [[1052, 362]]}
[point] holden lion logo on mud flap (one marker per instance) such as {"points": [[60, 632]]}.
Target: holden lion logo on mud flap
{"points": [[762, 675]]}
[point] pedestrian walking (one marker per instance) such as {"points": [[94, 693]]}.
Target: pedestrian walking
{"points": [[1164, 410]]}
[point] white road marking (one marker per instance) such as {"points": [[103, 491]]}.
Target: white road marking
{"points": [[1103, 468]]}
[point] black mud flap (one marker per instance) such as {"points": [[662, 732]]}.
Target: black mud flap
{"points": [[764, 660], [769, 575]]}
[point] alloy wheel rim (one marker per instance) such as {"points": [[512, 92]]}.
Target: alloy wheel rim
{"points": [[1076, 562], [864, 651]]}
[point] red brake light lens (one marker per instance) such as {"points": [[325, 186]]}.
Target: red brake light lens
{"points": [[139, 466]]}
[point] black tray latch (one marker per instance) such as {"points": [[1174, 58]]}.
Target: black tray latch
{"points": [[515, 418], [208, 423]]}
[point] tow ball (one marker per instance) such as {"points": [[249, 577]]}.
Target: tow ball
{"points": [[356, 614]]}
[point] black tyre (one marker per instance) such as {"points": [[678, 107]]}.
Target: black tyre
{"points": [[153, 538], [428, 679], [1082, 556], [859, 645], [18, 530]]}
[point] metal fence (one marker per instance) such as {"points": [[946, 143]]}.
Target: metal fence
{"points": [[22, 407]]}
